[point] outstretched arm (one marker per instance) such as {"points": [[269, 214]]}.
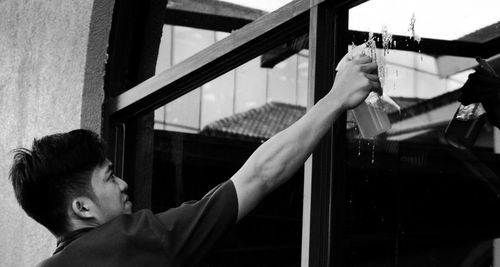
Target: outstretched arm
{"points": [[279, 158]]}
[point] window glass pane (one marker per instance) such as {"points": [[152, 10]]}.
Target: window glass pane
{"points": [[177, 44], [251, 86], [164, 60], [302, 79], [220, 35], [185, 111], [218, 99], [457, 80], [188, 41], [444, 19], [283, 82], [160, 120], [205, 136], [426, 191]]}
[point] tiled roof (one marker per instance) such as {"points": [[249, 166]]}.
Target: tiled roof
{"points": [[259, 123], [263, 122]]}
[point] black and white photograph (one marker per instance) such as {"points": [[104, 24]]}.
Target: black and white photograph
{"points": [[263, 133]]}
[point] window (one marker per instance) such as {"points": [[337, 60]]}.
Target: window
{"points": [[203, 137], [413, 198], [185, 162], [345, 220]]}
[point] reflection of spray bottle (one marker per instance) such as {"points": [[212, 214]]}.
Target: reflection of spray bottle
{"points": [[464, 128], [370, 116]]}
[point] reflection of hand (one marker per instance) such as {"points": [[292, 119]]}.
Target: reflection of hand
{"points": [[355, 80], [483, 87]]}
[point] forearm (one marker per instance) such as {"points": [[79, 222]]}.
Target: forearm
{"points": [[282, 155], [276, 160]]}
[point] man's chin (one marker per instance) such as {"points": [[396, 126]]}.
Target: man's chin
{"points": [[128, 208]]}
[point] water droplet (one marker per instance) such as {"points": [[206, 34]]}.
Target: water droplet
{"points": [[418, 39], [373, 151], [411, 28], [386, 39], [359, 145], [358, 137]]}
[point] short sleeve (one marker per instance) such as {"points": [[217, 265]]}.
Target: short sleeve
{"points": [[193, 228]]}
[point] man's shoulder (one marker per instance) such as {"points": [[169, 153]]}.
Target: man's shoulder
{"points": [[52, 261], [127, 235], [119, 237]]}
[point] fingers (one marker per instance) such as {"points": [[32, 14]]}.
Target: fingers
{"points": [[370, 71], [374, 83], [366, 64], [362, 59], [371, 67], [376, 87], [372, 77]]}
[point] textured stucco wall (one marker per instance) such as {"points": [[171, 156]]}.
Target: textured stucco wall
{"points": [[96, 56], [50, 81]]}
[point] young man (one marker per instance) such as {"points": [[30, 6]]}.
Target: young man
{"points": [[66, 183]]}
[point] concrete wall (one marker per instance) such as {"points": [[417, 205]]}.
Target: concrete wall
{"points": [[52, 56]]}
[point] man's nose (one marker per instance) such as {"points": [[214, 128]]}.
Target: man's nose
{"points": [[123, 184]]}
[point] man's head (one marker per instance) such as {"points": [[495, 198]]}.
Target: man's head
{"points": [[65, 182]]}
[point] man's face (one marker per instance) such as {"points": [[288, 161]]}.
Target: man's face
{"points": [[111, 198]]}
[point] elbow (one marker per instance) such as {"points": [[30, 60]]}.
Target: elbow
{"points": [[271, 177], [273, 170]]}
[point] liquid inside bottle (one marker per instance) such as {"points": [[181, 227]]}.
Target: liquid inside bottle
{"points": [[371, 120]]}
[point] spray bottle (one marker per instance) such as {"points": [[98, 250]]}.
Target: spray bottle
{"points": [[371, 116]]}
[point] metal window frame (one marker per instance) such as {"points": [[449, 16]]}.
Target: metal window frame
{"points": [[128, 113]]}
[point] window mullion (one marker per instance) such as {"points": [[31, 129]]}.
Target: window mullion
{"points": [[327, 44]]}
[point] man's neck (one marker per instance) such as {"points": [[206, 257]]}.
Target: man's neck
{"points": [[76, 224]]}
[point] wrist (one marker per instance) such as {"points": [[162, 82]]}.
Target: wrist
{"points": [[336, 100], [332, 102]]}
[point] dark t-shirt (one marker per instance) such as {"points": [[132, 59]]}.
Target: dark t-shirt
{"points": [[178, 237]]}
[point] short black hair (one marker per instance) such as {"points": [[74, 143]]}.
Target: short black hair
{"points": [[57, 168]]}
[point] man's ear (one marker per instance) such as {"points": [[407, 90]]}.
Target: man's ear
{"points": [[82, 207]]}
